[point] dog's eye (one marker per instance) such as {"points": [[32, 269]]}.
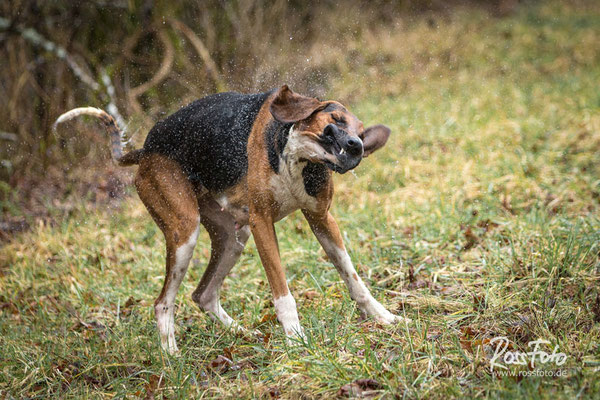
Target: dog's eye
{"points": [[339, 120]]}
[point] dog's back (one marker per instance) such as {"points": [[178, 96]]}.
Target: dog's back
{"points": [[209, 137]]}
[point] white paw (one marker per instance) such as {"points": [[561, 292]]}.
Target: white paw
{"points": [[285, 308], [237, 328], [169, 344], [295, 334], [388, 318], [166, 329], [374, 309]]}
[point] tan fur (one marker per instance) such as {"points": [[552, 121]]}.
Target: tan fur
{"points": [[315, 124], [324, 223], [263, 208], [171, 200]]}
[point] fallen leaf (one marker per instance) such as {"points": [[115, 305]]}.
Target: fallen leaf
{"points": [[221, 363], [310, 294], [268, 318], [486, 224], [471, 238], [468, 331], [155, 382], [360, 388], [479, 302], [267, 337], [10, 306], [127, 307], [274, 392], [409, 231], [130, 302], [466, 344], [228, 352]]}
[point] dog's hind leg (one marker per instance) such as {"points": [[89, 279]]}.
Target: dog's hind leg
{"points": [[227, 244], [170, 198]]}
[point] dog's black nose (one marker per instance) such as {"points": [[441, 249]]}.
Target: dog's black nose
{"points": [[354, 146]]}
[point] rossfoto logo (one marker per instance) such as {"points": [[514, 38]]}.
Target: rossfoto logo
{"points": [[503, 357]]}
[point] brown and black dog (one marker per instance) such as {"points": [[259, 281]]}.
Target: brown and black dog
{"points": [[237, 164]]}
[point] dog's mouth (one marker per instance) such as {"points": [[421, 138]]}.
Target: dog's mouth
{"points": [[346, 149]]}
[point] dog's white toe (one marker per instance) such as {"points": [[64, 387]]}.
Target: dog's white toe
{"points": [[295, 334], [389, 318], [376, 310]]}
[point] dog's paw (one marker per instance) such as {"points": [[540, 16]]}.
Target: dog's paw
{"points": [[169, 346], [379, 313], [237, 328], [385, 317], [388, 318], [295, 334]]}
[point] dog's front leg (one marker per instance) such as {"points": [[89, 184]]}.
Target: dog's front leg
{"points": [[327, 232], [265, 238]]}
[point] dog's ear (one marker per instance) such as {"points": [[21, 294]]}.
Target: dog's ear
{"points": [[374, 138], [288, 106]]}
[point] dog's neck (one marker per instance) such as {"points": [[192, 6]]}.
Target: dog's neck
{"points": [[298, 181]]}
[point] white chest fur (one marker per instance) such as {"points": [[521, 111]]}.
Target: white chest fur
{"points": [[288, 185]]}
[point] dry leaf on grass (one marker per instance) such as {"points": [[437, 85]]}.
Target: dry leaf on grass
{"points": [[471, 238], [274, 392], [415, 282], [155, 382], [220, 364], [128, 306], [269, 317], [228, 352], [267, 338], [360, 388]]}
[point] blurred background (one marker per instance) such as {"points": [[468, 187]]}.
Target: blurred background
{"points": [[143, 59]]}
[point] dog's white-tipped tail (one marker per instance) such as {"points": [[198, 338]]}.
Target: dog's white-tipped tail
{"points": [[93, 111], [115, 134]]}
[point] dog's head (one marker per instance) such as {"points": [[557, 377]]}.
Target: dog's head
{"points": [[328, 133]]}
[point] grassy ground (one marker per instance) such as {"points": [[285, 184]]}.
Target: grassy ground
{"points": [[479, 219]]}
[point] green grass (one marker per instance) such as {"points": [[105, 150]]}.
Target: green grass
{"points": [[479, 219]]}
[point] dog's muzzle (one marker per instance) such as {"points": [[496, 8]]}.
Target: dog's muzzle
{"points": [[347, 149]]}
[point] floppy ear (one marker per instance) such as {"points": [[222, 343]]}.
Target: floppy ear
{"points": [[288, 106], [374, 138]]}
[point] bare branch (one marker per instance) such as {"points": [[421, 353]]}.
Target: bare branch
{"points": [[35, 38], [162, 72], [11, 137], [202, 51]]}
